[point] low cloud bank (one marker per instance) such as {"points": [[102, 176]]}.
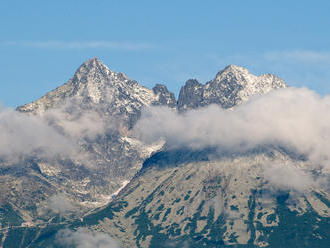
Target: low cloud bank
{"points": [[290, 177], [83, 238], [60, 204], [24, 135], [58, 131], [295, 118], [74, 121]]}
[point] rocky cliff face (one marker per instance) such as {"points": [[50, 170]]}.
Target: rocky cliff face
{"points": [[191, 95], [231, 86], [165, 97]]}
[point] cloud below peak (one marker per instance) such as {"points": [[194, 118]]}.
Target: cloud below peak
{"points": [[294, 118], [84, 238], [286, 116]]}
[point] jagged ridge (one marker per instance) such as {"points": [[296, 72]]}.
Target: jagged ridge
{"points": [[231, 86]]}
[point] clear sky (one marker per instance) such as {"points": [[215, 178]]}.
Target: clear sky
{"points": [[43, 42]]}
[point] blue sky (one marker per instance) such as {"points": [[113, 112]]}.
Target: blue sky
{"points": [[42, 43]]}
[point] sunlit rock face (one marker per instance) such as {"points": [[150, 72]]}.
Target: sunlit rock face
{"points": [[231, 86]]}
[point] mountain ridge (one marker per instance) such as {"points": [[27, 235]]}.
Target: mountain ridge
{"points": [[230, 87], [235, 81]]}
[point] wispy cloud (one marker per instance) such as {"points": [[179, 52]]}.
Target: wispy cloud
{"points": [[293, 118], [84, 238], [108, 45], [307, 56], [59, 203], [283, 57], [49, 135]]}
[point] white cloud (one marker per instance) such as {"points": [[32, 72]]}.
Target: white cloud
{"points": [[289, 177], [268, 58], [57, 132], [23, 135], [306, 56], [296, 119], [108, 45], [60, 204], [75, 122], [83, 238]]}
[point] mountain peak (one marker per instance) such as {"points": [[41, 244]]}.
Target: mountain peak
{"points": [[92, 61], [95, 86], [233, 71], [231, 86], [93, 82], [91, 67], [234, 85], [234, 68]]}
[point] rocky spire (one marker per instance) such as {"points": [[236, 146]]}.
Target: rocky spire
{"points": [[191, 95], [165, 97]]}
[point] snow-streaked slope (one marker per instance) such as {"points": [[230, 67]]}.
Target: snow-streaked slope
{"points": [[203, 199]]}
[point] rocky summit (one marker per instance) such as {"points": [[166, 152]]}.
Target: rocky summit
{"points": [[95, 86], [115, 186], [231, 86]]}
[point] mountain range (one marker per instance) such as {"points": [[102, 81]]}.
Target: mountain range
{"points": [[108, 180]]}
